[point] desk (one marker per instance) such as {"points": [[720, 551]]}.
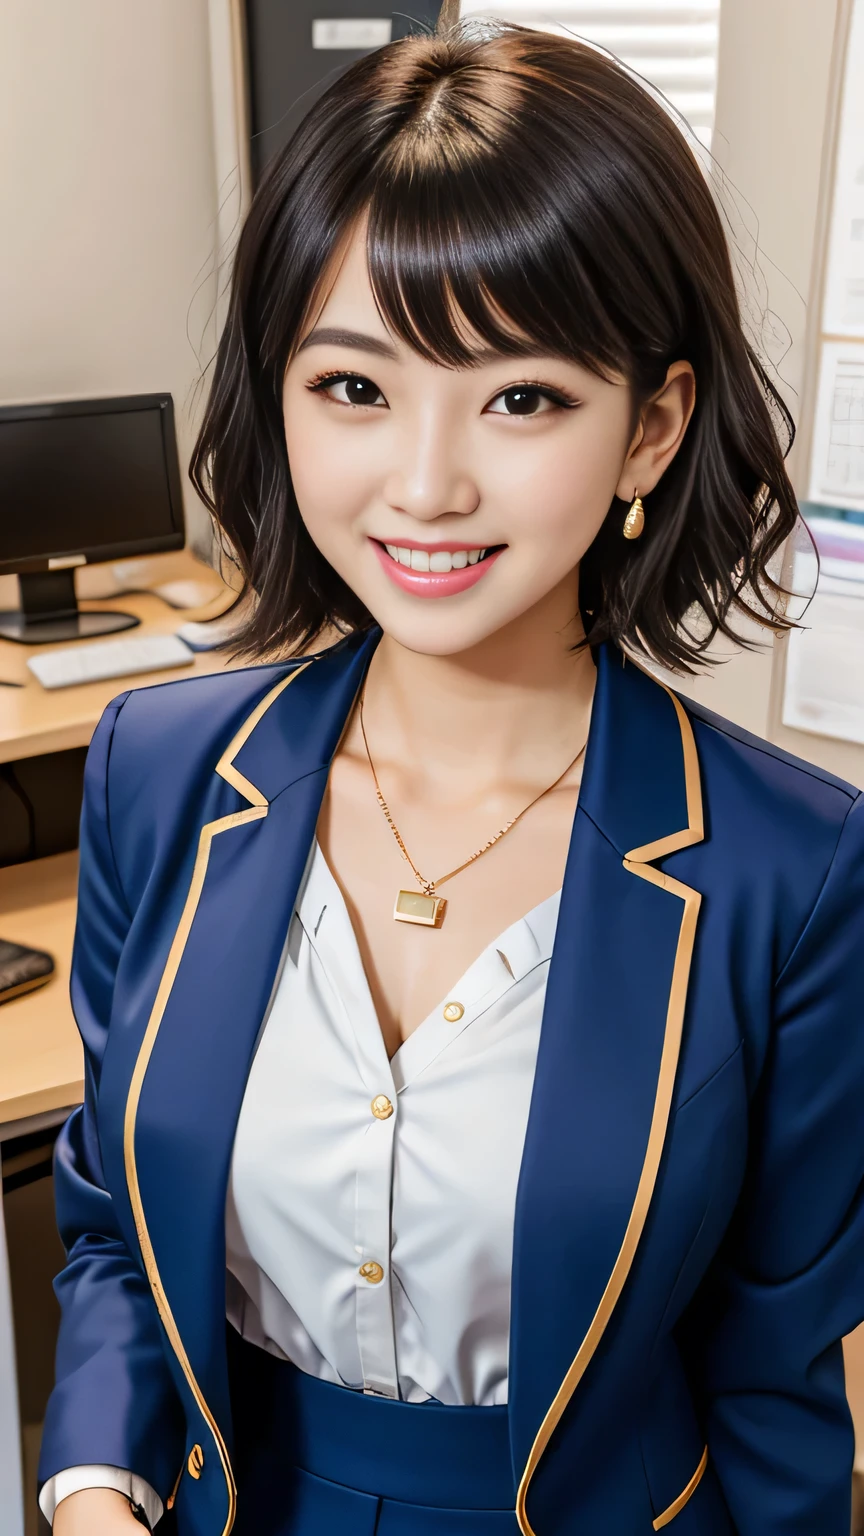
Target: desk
{"points": [[34, 719], [41, 1060]]}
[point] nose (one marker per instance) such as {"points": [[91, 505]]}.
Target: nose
{"points": [[430, 479]]}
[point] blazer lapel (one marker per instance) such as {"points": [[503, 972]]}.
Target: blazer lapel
{"points": [[190, 1073], [609, 1048]]}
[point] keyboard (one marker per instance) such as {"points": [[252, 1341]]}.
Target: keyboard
{"points": [[111, 658]]}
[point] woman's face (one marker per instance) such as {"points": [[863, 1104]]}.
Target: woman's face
{"points": [[451, 501]]}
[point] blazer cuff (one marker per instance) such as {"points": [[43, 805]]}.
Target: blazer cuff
{"points": [[74, 1479]]}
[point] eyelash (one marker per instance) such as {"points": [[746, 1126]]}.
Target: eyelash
{"points": [[340, 375], [331, 377]]}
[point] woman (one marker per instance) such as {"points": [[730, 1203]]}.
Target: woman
{"points": [[484, 427]]}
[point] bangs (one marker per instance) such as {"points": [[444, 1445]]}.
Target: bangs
{"points": [[460, 267], [485, 234]]}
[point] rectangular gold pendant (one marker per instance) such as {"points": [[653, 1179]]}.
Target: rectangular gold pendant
{"points": [[416, 907]]}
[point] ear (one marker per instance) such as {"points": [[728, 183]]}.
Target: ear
{"points": [[659, 432]]}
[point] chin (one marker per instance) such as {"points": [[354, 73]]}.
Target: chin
{"points": [[440, 632], [425, 644]]}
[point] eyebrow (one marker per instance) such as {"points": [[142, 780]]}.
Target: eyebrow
{"points": [[335, 337]]}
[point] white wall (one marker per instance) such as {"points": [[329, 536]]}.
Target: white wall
{"points": [[107, 200]]}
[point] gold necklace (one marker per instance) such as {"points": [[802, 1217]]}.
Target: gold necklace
{"points": [[425, 907]]}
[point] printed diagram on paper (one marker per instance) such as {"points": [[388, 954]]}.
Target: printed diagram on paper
{"points": [[838, 444], [845, 467], [824, 689]]}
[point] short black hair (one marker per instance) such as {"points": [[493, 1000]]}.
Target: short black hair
{"points": [[511, 172]]}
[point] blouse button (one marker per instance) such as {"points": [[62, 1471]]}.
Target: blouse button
{"points": [[195, 1462], [382, 1109], [372, 1272], [453, 1012]]}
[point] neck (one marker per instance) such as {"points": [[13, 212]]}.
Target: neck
{"points": [[514, 704]]}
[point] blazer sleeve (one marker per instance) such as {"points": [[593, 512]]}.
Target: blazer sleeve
{"points": [[114, 1402], [789, 1282]]}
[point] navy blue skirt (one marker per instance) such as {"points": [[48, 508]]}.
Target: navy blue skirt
{"points": [[313, 1459]]}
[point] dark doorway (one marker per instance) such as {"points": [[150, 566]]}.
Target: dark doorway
{"points": [[294, 54]]}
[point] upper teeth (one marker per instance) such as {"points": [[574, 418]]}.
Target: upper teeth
{"points": [[441, 560]]}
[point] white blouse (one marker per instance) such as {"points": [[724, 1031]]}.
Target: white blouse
{"points": [[370, 1208], [381, 1261]]}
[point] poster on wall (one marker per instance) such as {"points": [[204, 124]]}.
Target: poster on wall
{"points": [[837, 464], [824, 685]]}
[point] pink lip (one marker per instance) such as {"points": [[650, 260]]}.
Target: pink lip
{"points": [[433, 583]]}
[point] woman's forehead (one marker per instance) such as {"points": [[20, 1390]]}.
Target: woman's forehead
{"points": [[347, 312]]}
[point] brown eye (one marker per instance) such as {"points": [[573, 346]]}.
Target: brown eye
{"points": [[527, 400], [348, 389], [522, 400], [359, 391]]}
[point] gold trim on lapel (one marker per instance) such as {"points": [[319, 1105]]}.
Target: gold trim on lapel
{"points": [[695, 829], [684, 1497], [258, 808], [635, 862]]}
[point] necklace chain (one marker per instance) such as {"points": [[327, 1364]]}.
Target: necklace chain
{"points": [[430, 886]]}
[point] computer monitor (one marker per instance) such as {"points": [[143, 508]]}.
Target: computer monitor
{"points": [[82, 481]]}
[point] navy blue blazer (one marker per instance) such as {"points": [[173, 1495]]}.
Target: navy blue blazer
{"points": [[689, 1235]]}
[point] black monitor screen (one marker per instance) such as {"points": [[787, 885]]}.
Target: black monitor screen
{"points": [[74, 482]]}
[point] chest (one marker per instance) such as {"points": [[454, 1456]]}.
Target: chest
{"points": [[422, 1149], [409, 968]]}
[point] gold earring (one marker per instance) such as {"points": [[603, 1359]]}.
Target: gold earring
{"points": [[634, 522]]}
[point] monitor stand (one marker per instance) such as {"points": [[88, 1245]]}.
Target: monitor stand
{"points": [[49, 612]]}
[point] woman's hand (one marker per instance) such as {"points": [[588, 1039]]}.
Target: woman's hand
{"points": [[96, 1512]]}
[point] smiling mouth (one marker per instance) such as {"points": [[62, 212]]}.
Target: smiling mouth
{"points": [[438, 562], [434, 570]]}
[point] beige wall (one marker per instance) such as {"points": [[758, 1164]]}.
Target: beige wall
{"points": [[774, 82], [107, 199], [772, 94]]}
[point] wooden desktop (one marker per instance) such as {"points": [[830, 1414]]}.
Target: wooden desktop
{"points": [[41, 1064], [34, 719]]}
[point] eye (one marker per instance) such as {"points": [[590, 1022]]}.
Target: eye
{"points": [[347, 389], [529, 400]]}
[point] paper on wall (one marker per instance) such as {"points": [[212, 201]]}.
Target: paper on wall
{"points": [[837, 463], [824, 686]]}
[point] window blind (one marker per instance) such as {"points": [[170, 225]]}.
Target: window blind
{"points": [[671, 43]]}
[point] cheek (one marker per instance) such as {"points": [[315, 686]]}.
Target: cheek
{"points": [[559, 490], [328, 477]]}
